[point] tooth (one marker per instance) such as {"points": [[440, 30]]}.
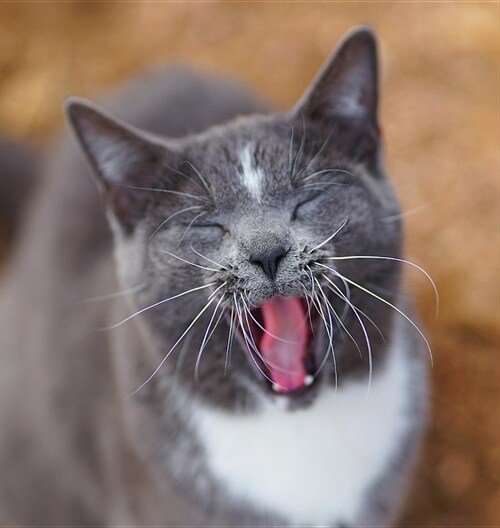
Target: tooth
{"points": [[308, 380], [276, 388]]}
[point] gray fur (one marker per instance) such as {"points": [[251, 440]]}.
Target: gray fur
{"points": [[75, 450]]}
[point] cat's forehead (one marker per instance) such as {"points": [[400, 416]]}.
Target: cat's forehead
{"points": [[251, 158]]}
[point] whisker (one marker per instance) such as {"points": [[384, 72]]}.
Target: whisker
{"points": [[320, 150], [182, 173], [319, 188], [123, 321], [320, 184], [200, 313], [290, 148], [339, 292], [169, 191], [207, 339], [406, 214], [115, 295], [249, 345], [188, 262], [206, 258], [381, 299], [230, 339], [367, 340], [324, 171], [376, 257], [182, 356], [329, 238], [330, 336], [172, 216], [264, 329], [340, 322], [301, 148], [197, 172], [308, 307], [266, 362], [189, 226], [257, 352], [349, 304]]}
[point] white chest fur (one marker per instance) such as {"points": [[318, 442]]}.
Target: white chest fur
{"points": [[312, 466]]}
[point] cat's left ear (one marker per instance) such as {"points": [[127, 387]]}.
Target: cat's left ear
{"points": [[344, 94], [125, 160]]}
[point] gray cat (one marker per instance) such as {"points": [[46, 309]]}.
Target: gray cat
{"points": [[228, 347]]}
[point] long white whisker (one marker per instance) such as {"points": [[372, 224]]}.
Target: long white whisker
{"points": [[321, 184], [262, 328], [170, 217], [248, 343], [207, 336], [329, 238], [182, 173], [189, 226], [377, 257], [115, 295], [381, 299], [317, 305], [188, 262], [202, 311], [182, 356], [324, 171], [290, 148], [320, 150], [254, 344], [267, 362], [179, 193], [307, 295], [142, 310], [406, 214], [338, 319], [206, 258], [351, 305], [363, 328], [197, 172], [301, 148], [330, 331], [230, 339]]}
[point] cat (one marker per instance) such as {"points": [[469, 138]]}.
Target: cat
{"points": [[227, 345]]}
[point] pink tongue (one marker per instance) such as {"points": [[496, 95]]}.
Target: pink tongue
{"points": [[284, 351]]}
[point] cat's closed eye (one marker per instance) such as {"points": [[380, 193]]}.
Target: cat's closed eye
{"points": [[211, 229], [306, 207]]}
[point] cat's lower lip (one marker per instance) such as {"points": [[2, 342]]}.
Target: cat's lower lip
{"points": [[281, 339]]}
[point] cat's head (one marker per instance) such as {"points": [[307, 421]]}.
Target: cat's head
{"points": [[228, 237]]}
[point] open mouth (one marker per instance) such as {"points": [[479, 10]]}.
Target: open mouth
{"points": [[279, 337]]}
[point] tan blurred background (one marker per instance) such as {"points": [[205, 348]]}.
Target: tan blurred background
{"points": [[440, 116]]}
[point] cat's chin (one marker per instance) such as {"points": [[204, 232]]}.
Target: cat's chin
{"points": [[285, 345]]}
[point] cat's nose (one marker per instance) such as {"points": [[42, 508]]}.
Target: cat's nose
{"points": [[269, 260]]}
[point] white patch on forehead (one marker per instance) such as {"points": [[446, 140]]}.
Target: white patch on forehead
{"points": [[251, 176]]}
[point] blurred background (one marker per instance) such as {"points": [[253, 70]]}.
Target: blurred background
{"points": [[440, 119]]}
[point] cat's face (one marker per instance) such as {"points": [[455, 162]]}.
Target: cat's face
{"points": [[229, 238]]}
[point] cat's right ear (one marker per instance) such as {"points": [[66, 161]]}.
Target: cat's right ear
{"points": [[125, 160], [344, 95]]}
